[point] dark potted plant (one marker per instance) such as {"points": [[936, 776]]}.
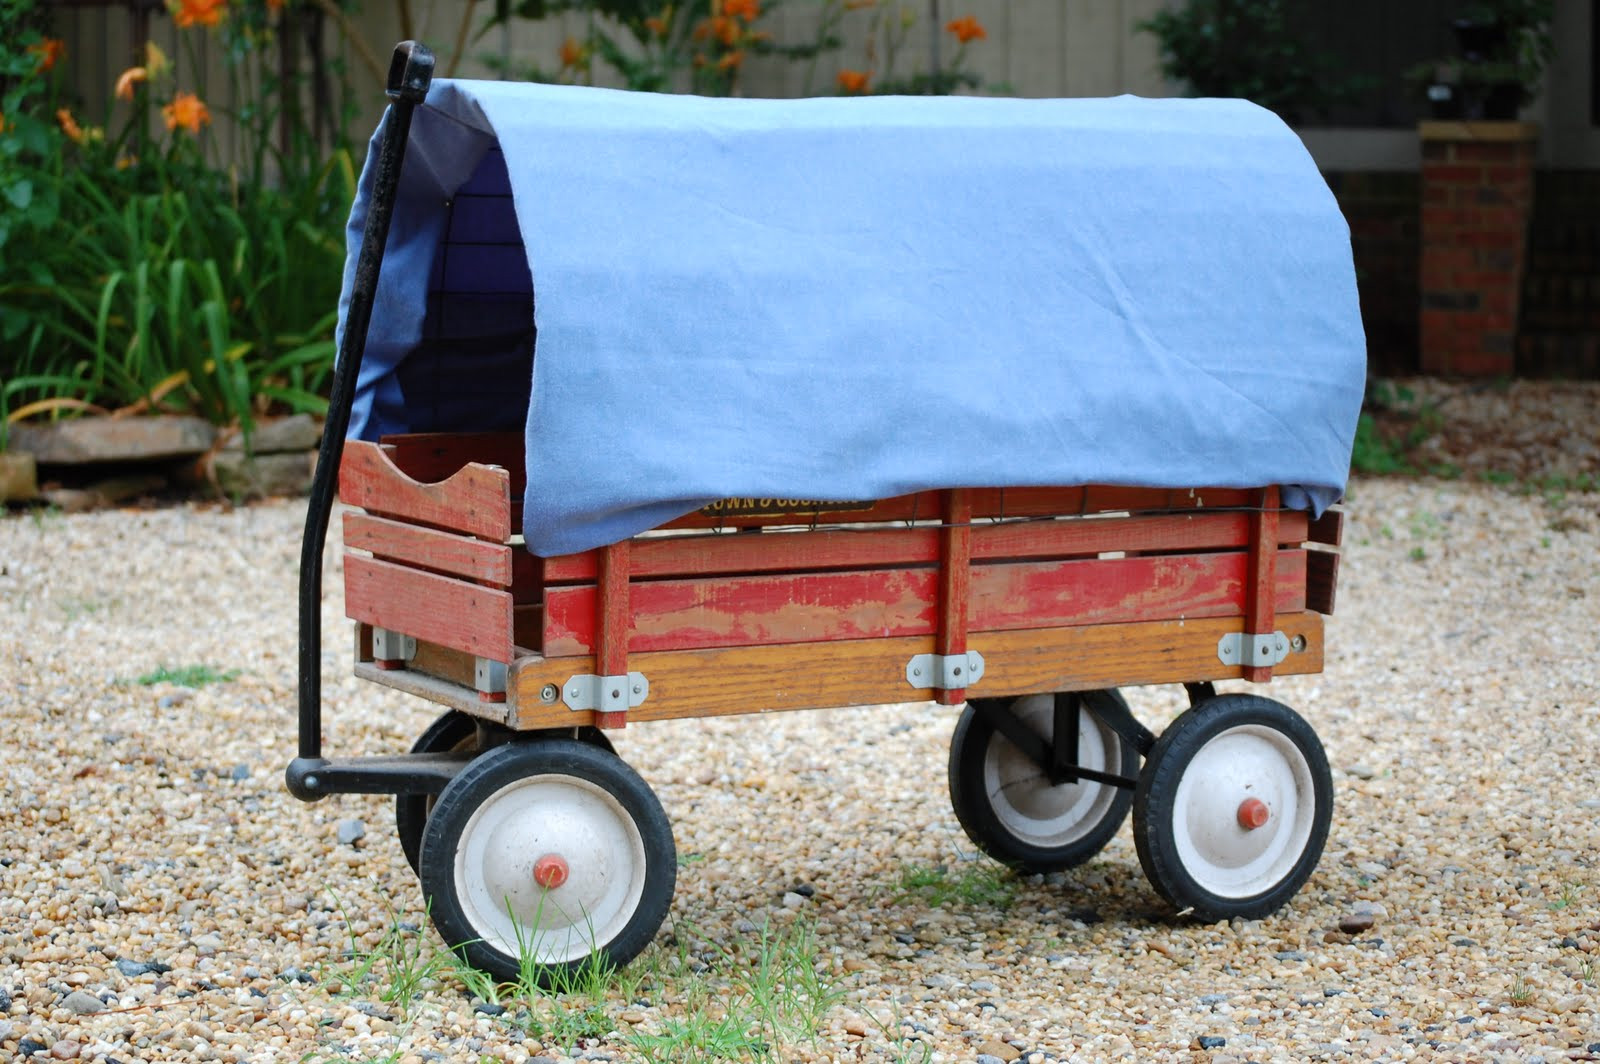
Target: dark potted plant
{"points": [[1505, 46]]}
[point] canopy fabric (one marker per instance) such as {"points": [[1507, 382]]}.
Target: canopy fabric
{"points": [[859, 298]]}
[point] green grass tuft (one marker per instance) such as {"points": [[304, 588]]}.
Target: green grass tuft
{"points": [[188, 676]]}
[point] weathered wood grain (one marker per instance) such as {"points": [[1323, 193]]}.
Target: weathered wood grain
{"points": [[475, 500], [871, 671], [427, 548], [452, 613]]}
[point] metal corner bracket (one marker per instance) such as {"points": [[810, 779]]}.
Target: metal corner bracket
{"points": [[1237, 648], [389, 645], [605, 694], [947, 672]]}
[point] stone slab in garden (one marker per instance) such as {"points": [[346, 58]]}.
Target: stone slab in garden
{"points": [[264, 475], [19, 480], [298, 432], [85, 440]]}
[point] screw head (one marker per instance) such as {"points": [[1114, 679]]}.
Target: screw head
{"points": [[549, 693]]}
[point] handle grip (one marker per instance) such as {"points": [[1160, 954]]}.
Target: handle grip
{"points": [[410, 72]]}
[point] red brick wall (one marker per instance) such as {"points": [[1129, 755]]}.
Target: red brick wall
{"points": [[1477, 195]]}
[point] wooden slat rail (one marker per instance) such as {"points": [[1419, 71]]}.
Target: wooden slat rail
{"points": [[434, 456], [476, 499], [426, 548], [452, 613], [729, 553], [872, 671], [815, 607], [987, 503], [614, 610]]}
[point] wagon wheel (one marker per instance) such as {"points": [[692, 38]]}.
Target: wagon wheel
{"points": [[1232, 809], [452, 731], [1012, 811], [544, 851]]}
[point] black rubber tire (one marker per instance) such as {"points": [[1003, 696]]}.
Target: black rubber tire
{"points": [[586, 770], [974, 803], [455, 730], [1156, 812]]}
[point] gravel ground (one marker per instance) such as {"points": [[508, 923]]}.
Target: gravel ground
{"points": [[163, 899]]}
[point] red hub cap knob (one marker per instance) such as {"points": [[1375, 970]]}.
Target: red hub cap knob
{"points": [[550, 871], [1253, 813]]}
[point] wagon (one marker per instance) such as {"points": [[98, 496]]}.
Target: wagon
{"points": [[1039, 400]]}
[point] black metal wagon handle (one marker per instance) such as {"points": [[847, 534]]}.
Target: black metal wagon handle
{"points": [[410, 72]]}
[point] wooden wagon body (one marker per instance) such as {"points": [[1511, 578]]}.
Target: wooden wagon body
{"points": [[772, 604]]}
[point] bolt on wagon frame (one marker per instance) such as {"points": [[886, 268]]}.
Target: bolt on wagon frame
{"points": [[1030, 606]]}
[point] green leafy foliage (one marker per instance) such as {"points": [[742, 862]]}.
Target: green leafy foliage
{"points": [[1247, 49], [142, 270]]}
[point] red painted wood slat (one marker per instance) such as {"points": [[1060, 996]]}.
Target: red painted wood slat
{"points": [[475, 500], [452, 613], [815, 607], [426, 548], [729, 553]]}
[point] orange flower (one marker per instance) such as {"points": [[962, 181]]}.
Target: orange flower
{"points": [[571, 53], [187, 112], [854, 80], [749, 10], [730, 61], [967, 29], [129, 78], [725, 30], [48, 50], [69, 126], [274, 6], [197, 12], [656, 25], [2, 123]]}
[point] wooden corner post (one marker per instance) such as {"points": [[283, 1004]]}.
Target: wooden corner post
{"points": [[955, 585], [614, 615], [1261, 578]]}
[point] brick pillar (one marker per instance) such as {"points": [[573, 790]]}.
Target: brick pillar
{"points": [[1477, 194]]}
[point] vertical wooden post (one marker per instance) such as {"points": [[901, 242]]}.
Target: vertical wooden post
{"points": [[612, 617], [1261, 578], [955, 583]]}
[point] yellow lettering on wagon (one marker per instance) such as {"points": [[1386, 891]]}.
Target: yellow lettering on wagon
{"points": [[780, 507]]}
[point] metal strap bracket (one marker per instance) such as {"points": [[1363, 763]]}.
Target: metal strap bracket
{"points": [[389, 645], [947, 672], [605, 694], [1237, 648]]}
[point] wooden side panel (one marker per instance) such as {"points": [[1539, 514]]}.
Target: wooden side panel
{"points": [[775, 552], [814, 607], [475, 500], [722, 681], [427, 548], [452, 613], [434, 456], [987, 503], [1328, 529], [1322, 580], [955, 585]]}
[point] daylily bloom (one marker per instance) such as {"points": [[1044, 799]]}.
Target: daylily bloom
{"points": [[571, 53], [69, 125], [967, 29], [854, 80], [197, 12], [657, 25], [48, 50], [274, 6], [749, 10], [186, 112], [155, 60], [729, 61], [129, 78]]}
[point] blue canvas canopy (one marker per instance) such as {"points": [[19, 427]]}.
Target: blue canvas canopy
{"points": [[683, 299]]}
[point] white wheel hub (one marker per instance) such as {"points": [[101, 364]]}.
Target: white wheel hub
{"points": [[1024, 800], [1243, 812], [550, 867]]}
